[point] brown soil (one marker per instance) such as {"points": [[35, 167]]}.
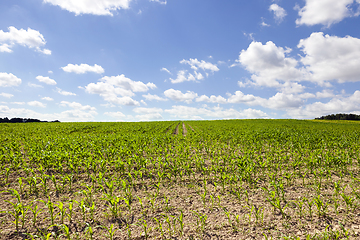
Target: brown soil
{"points": [[184, 129], [176, 131]]}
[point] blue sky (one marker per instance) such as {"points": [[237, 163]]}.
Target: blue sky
{"points": [[140, 60]]}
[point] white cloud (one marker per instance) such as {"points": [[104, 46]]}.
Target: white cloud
{"points": [[5, 48], [36, 104], [196, 64], [65, 93], [126, 101], [292, 87], [284, 101], [76, 105], [326, 93], [211, 99], [115, 114], [128, 84], [34, 85], [95, 7], [105, 88], [147, 114], [185, 112], [279, 12], [268, 64], [82, 68], [9, 80], [7, 95], [240, 97], [165, 70], [28, 38], [325, 12], [280, 100], [264, 24], [178, 96], [18, 103], [159, 1], [47, 99], [142, 110], [183, 76], [149, 117], [110, 88], [331, 57], [338, 104], [151, 97], [46, 80], [50, 72]]}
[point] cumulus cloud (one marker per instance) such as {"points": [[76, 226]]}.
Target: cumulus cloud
{"points": [[325, 12], [73, 115], [9, 80], [185, 112], [149, 117], [115, 114], [128, 84], [152, 97], [268, 64], [76, 105], [279, 12], [118, 89], [47, 99], [46, 80], [240, 97], [280, 100], [142, 110], [184, 76], [65, 93], [95, 7], [36, 104], [331, 57], [178, 96], [82, 68], [326, 93], [28, 38], [325, 58], [6, 95], [211, 99], [196, 64], [337, 104], [148, 114]]}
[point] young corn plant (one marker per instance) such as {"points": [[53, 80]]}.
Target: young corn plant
{"points": [[62, 211], [160, 227], [71, 209], [201, 221], [35, 211], [50, 205], [145, 227], [110, 232], [321, 206], [349, 201]]}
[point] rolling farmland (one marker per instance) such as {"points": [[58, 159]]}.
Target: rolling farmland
{"points": [[233, 179]]}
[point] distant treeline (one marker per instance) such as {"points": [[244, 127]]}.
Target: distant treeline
{"points": [[340, 116], [21, 120]]}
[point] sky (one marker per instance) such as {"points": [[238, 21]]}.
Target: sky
{"points": [[158, 60]]}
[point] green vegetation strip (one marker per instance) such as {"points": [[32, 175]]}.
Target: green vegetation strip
{"points": [[235, 179]]}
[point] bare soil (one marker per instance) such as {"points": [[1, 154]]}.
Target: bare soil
{"points": [[176, 131], [184, 129]]}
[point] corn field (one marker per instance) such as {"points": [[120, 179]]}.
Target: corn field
{"points": [[231, 179]]}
